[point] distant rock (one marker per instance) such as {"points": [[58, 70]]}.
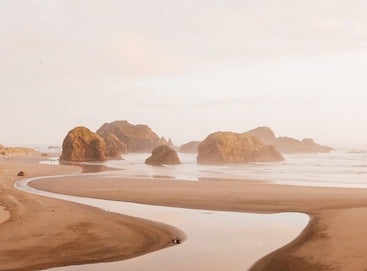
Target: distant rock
{"points": [[8, 152], [190, 147], [163, 155], [137, 138], [265, 134], [53, 147], [229, 147], [114, 147], [81, 145], [170, 143], [287, 144]]}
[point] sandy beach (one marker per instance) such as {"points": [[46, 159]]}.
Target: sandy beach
{"points": [[43, 232], [331, 241], [4, 215]]}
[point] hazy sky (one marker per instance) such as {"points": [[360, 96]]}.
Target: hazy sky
{"points": [[185, 68]]}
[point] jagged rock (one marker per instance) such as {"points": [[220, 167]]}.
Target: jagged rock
{"points": [[114, 147], [81, 144], [287, 144], [137, 138], [170, 143], [163, 155], [229, 147], [190, 147]]}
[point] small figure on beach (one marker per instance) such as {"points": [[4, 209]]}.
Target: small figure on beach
{"points": [[21, 173]]}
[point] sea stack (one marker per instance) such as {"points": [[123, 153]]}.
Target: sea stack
{"points": [[163, 155], [190, 147], [229, 147], [287, 144], [81, 145], [114, 147], [137, 138]]}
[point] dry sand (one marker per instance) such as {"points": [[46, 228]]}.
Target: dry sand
{"points": [[43, 232], [335, 239]]}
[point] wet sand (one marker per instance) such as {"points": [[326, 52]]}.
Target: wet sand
{"points": [[43, 232], [333, 240], [232, 240], [4, 215]]}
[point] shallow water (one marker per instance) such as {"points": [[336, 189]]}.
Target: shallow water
{"points": [[345, 168], [216, 240]]}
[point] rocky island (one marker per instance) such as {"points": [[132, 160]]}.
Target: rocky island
{"points": [[137, 138], [163, 155], [287, 144], [229, 147]]}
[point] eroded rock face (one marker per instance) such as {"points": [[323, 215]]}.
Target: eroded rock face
{"points": [[114, 147], [163, 155], [81, 144], [229, 147], [287, 144], [137, 138], [190, 147]]}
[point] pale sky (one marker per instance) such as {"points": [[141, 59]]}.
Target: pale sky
{"points": [[185, 68]]}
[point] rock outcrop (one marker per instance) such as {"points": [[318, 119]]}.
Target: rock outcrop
{"points": [[137, 138], [190, 147], [114, 147], [8, 152], [81, 145], [287, 144], [163, 155], [229, 147]]}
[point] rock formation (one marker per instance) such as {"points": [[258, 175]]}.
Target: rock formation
{"points": [[16, 151], [228, 147], [114, 147], [190, 147], [81, 144], [163, 155], [287, 144], [137, 138]]}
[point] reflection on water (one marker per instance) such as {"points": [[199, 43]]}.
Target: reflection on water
{"points": [[216, 240]]}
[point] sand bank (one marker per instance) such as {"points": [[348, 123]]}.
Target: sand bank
{"points": [[232, 240], [334, 239], [43, 232]]}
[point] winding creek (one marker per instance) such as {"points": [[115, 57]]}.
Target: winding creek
{"points": [[216, 240]]}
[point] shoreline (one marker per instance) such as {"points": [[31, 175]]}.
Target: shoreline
{"points": [[43, 232], [331, 241]]}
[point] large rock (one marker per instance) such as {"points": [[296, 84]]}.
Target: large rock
{"points": [[190, 147], [228, 147], [81, 145], [137, 138], [114, 147], [287, 144], [163, 155]]}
